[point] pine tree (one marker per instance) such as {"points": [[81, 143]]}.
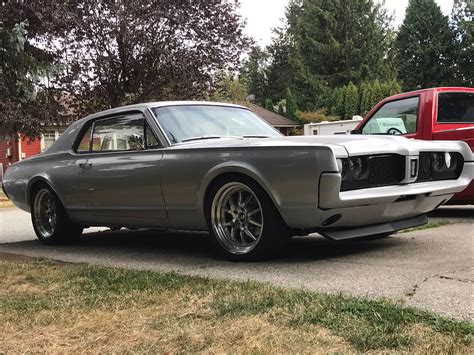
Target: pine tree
{"points": [[269, 104], [339, 101], [335, 42], [291, 106], [351, 101], [281, 109], [462, 22], [425, 47]]}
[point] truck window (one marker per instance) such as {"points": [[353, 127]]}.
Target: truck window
{"points": [[394, 117], [455, 107]]}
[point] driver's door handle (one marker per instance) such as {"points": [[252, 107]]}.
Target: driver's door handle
{"points": [[85, 165]]}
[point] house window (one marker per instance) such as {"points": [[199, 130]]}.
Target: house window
{"points": [[315, 132], [49, 137]]}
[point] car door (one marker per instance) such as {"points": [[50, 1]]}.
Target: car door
{"points": [[120, 172]]}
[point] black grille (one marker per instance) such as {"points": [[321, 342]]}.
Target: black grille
{"points": [[426, 172], [383, 170], [386, 170]]}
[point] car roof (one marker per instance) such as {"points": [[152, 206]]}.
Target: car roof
{"points": [[157, 104]]}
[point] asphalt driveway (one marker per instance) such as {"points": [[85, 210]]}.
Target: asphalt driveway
{"points": [[431, 269]]}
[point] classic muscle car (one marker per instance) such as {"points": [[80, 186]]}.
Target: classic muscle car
{"points": [[219, 167]]}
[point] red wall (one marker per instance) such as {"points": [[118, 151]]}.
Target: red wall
{"points": [[30, 147], [4, 145]]}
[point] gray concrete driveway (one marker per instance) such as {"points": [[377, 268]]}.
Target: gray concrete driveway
{"points": [[429, 269]]}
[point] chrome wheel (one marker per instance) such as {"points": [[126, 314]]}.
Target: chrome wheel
{"points": [[237, 218], [45, 213]]}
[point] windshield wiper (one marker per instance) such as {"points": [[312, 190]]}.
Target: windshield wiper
{"points": [[200, 138], [255, 136]]}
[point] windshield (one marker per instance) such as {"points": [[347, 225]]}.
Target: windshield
{"points": [[187, 122]]}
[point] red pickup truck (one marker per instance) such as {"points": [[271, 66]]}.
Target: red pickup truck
{"points": [[445, 113]]}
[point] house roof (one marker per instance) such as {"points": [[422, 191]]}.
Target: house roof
{"points": [[271, 117]]}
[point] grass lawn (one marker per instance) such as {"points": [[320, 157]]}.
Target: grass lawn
{"points": [[57, 307], [429, 225], [4, 202]]}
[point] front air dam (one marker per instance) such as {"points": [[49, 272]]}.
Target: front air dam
{"points": [[384, 228]]}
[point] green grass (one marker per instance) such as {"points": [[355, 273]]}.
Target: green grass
{"points": [[121, 310], [429, 225]]}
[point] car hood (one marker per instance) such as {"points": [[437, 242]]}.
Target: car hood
{"points": [[342, 145]]}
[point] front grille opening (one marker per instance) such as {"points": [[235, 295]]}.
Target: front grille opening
{"points": [[383, 170]]}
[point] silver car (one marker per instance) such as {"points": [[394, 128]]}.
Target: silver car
{"points": [[219, 167]]}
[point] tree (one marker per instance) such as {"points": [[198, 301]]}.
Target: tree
{"points": [[253, 73], [229, 89], [281, 109], [120, 52], [336, 42], [21, 67], [291, 106], [269, 104], [462, 22], [351, 101], [425, 47], [280, 74]]}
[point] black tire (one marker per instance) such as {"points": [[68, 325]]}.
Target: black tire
{"points": [[274, 232], [63, 230]]}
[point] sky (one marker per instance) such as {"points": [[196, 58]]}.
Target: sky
{"points": [[263, 15]]}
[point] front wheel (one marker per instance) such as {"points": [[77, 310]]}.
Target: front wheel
{"points": [[50, 220], [244, 221]]}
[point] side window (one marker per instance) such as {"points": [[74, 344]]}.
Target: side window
{"points": [[118, 134], [395, 117], [84, 145], [151, 141], [455, 107]]}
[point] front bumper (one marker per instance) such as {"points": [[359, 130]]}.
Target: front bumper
{"points": [[383, 204]]}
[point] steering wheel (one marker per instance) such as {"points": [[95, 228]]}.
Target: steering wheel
{"points": [[394, 131]]}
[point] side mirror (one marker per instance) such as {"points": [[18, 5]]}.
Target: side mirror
{"points": [[356, 131], [137, 140]]}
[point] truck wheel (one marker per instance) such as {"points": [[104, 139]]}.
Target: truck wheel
{"points": [[50, 220], [243, 220]]}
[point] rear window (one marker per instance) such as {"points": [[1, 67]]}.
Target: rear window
{"points": [[456, 107]]}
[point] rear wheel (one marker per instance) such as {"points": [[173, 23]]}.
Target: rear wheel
{"points": [[243, 220], [50, 220]]}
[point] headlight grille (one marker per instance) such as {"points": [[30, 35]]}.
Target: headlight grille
{"points": [[434, 166], [381, 170]]}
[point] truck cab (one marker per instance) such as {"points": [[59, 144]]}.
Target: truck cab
{"points": [[445, 113]]}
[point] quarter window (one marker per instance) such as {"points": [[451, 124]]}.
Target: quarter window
{"points": [[455, 107], [395, 117], [85, 144]]}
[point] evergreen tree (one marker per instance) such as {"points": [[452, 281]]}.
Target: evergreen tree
{"points": [[335, 42], [462, 22], [269, 104], [339, 106], [280, 74], [253, 74], [351, 101], [425, 47], [291, 106], [281, 109]]}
